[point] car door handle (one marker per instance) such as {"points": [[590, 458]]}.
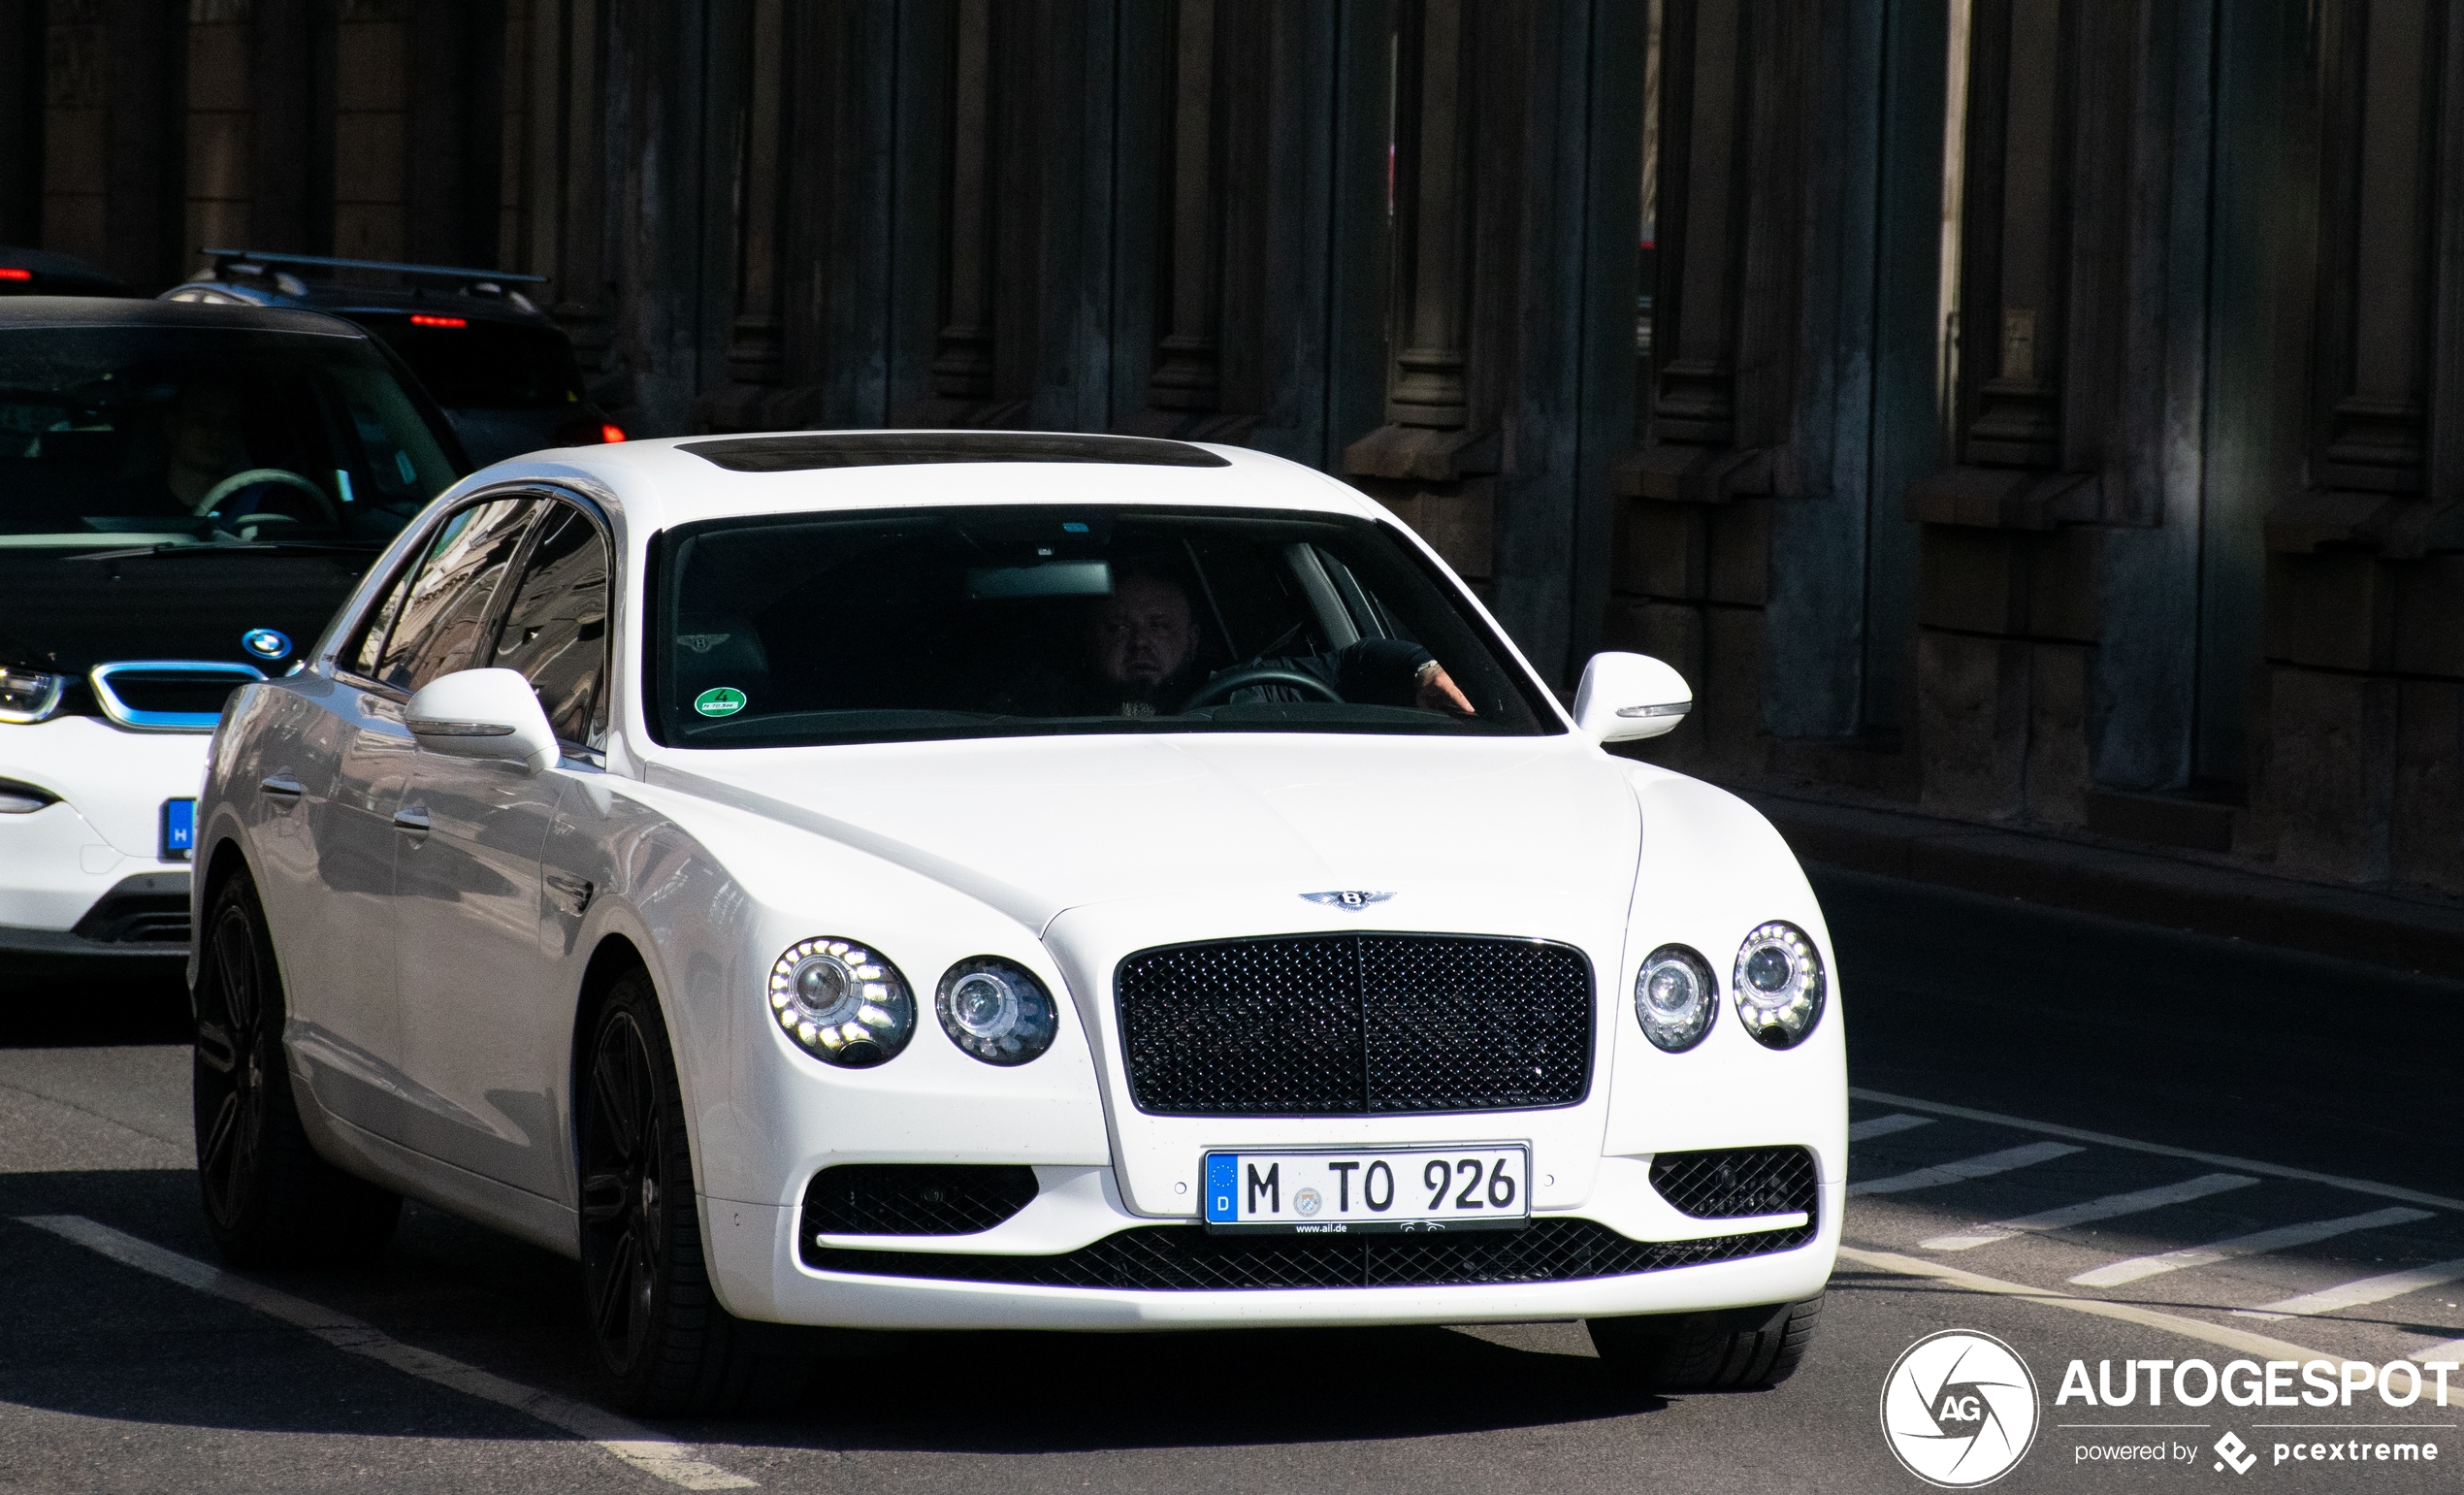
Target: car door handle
{"points": [[412, 818], [571, 894], [281, 785]]}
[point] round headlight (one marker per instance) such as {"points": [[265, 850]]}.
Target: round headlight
{"points": [[1676, 997], [1778, 983], [996, 1010], [844, 1003]]}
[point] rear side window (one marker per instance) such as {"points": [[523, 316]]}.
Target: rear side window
{"points": [[446, 609], [556, 628]]}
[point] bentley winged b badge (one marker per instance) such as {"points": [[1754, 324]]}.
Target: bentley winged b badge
{"points": [[1347, 897]]}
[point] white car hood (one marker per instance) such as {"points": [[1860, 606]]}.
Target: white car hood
{"points": [[1037, 826]]}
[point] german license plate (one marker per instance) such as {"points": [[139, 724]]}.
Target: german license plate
{"points": [[1478, 1187], [180, 829]]}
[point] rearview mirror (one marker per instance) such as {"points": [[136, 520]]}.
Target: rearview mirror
{"points": [[485, 714], [1627, 697]]}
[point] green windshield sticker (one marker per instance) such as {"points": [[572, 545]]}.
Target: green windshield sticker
{"points": [[718, 700]]}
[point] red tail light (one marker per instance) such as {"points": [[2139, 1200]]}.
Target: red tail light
{"points": [[423, 320], [609, 433], [12, 272]]}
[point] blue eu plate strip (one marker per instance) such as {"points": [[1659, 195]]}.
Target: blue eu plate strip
{"points": [[1223, 1170]]}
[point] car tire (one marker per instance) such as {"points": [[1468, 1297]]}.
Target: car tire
{"points": [[1726, 1349], [664, 1343], [270, 1200]]}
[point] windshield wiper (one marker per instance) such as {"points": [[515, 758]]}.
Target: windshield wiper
{"points": [[227, 547]]}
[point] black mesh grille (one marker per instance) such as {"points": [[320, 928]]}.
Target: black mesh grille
{"points": [[1185, 1259], [915, 1198], [1343, 1025], [1737, 1181]]}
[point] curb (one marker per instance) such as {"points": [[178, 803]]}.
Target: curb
{"points": [[2351, 923]]}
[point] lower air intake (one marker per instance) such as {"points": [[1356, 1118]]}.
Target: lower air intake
{"points": [[1185, 1259], [915, 1198], [1733, 1183]]}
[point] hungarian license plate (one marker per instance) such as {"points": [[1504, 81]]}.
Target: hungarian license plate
{"points": [[180, 829], [1361, 1190]]}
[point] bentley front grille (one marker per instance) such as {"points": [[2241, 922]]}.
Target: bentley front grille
{"points": [[1354, 1024]]}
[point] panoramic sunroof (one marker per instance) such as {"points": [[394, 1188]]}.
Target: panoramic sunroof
{"points": [[804, 451]]}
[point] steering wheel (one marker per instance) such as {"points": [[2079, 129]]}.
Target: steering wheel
{"points": [[255, 475], [1220, 689]]}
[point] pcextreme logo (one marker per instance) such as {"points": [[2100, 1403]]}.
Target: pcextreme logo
{"points": [[1959, 1408]]}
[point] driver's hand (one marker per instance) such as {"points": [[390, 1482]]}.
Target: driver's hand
{"points": [[1434, 690]]}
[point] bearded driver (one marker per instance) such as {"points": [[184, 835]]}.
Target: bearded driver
{"points": [[1142, 648]]}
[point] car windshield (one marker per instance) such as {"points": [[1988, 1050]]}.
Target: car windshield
{"points": [[203, 436], [1029, 621], [468, 364]]}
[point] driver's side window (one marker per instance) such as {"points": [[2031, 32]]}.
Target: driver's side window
{"points": [[555, 630], [445, 612]]}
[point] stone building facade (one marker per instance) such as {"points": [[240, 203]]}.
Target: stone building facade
{"points": [[2042, 411]]}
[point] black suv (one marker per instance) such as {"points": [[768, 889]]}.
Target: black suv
{"points": [[27, 272], [502, 371]]}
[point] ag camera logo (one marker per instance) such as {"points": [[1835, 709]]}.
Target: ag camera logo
{"points": [[1959, 1408]]}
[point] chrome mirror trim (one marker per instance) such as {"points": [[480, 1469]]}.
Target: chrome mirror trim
{"points": [[423, 726]]}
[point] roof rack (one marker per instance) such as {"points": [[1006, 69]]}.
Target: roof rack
{"points": [[225, 258]]}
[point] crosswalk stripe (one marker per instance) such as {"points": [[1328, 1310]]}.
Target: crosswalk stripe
{"points": [[2258, 1242], [653, 1452], [2087, 1210], [1885, 1125], [1971, 1168], [2369, 1289], [2453, 1349]]}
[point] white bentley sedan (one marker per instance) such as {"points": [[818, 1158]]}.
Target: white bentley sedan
{"points": [[916, 880]]}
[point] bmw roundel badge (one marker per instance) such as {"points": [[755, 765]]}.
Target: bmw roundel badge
{"points": [[266, 643]]}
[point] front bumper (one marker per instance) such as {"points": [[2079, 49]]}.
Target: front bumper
{"points": [[1078, 1226], [86, 875]]}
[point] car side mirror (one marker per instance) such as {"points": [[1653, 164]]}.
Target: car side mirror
{"points": [[484, 714], [1627, 697]]}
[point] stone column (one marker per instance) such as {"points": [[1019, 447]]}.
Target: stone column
{"points": [[2365, 583], [1431, 436]]}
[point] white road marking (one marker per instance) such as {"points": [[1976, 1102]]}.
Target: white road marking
{"points": [[2239, 1341], [2216, 1159], [2453, 1349], [1986, 1166], [653, 1453], [2080, 1214], [2369, 1289], [2281, 1237], [1885, 1125]]}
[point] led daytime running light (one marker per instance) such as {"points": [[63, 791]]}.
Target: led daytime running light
{"points": [[1779, 985], [842, 1002]]}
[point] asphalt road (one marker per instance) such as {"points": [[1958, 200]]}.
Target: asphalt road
{"points": [[2034, 1087]]}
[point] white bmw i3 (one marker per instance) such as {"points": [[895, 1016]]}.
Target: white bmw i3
{"points": [[916, 880]]}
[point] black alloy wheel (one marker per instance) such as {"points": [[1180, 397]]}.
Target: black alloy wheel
{"points": [[661, 1337], [270, 1200], [624, 1145]]}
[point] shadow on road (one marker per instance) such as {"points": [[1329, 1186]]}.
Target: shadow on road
{"points": [[56, 1001], [92, 1338]]}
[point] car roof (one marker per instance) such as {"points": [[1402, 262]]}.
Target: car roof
{"points": [[120, 311], [657, 484]]}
